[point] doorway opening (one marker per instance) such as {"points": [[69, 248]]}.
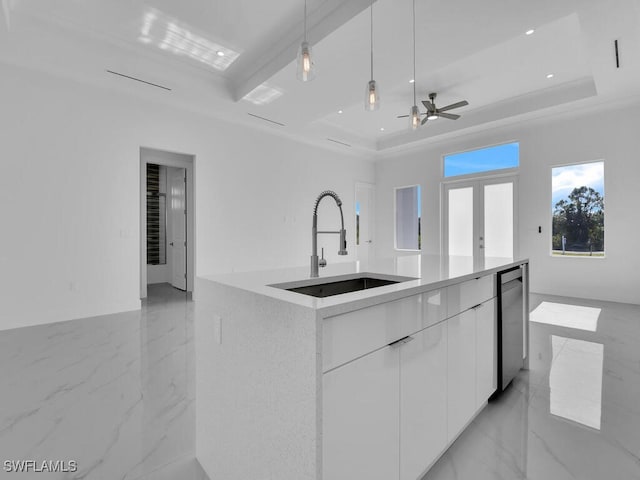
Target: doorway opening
{"points": [[167, 227]]}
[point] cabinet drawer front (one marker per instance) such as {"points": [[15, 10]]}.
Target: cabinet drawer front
{"points": [[351, 335], [462, 296], [434, 307]]}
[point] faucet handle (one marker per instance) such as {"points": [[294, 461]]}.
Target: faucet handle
{"points": [[322, 262]]}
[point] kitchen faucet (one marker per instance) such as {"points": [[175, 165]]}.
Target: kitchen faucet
{"points": [[315, 262]]}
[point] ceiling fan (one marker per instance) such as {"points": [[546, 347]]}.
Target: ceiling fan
{"points": [[434, 112]]}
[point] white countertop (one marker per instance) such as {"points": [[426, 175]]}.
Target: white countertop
{"points": [[430, 272]]}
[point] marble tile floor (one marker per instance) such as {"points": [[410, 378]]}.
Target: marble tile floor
{"points": [[575, 414], [116, 394]]}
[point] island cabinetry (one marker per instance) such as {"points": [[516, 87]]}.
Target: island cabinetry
{"points": [[423, 400], [360, 435], [374, 384], [461, 372], [384, 396], [471, 351], [486, 351], [353, 334], [392, 404]]}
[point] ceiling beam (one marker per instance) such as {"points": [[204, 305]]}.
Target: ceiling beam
{"points": [[254, 68]]}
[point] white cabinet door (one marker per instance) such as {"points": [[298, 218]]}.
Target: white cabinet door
{"points": [[423, 400], [486, 351], [461, 370], [361, 421]]}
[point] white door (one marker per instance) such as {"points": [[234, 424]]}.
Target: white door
{"points": [[423, 400], [479, 218], [360, 424], [363, 231], [178, 219]]}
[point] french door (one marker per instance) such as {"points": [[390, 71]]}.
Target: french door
{"points": [[479, 218]]}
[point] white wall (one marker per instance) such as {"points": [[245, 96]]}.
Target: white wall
{"points": [[73, 251], [611, 135]]}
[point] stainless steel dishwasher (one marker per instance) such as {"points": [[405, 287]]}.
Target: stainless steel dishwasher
{"points": [[510, 325]]}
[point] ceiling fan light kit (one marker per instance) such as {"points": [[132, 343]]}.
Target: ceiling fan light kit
{"points": [[306, 70], [372, 96]]}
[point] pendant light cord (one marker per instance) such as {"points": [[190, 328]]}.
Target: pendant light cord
{"points": [[305, 20], [414, 52], [372, 40]]}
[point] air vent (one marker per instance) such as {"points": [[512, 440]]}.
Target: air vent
{"points": [[138, 80], [338, 142], [266, 119]]}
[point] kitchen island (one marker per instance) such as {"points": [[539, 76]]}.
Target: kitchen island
{"points": [[371, 384]]}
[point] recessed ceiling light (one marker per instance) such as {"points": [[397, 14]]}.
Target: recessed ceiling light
{"points": [[382, 129], [412, 81], [220, 53], [550, 75], [339, 111], [530, 31]]}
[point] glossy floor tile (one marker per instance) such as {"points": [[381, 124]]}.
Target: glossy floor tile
{"points": [[116, 394], [574, 415], [113, 393]]}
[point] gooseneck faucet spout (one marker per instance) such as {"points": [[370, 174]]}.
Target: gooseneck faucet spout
{"points": [[315, 261]]}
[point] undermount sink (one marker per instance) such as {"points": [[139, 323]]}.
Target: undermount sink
{"points": [[340, 285]]}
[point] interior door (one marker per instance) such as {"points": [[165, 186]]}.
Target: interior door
{"points": [[364, 213], [178, 242], [479, 218]]}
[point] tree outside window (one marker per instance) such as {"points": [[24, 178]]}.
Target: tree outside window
{"points": [[578, 210]]}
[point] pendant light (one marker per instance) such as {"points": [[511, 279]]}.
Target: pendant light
{"points": [[372, 98], [414, 113], [306, 68]]}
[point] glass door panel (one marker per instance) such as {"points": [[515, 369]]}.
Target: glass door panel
{"points": [[479, 218], [460, 219], [498, 220]]}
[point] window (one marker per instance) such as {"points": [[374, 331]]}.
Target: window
{"points": [[482, 160], [408, 222], [577, 207]]}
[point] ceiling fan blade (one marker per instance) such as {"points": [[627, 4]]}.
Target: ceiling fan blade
{"points": [[450, 116], [424, 120], [407, 116], [454, 105], [429, 106]]}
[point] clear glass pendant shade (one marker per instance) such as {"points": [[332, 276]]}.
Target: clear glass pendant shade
{"points": [[306, 68], [371, 98], [414, 117]]}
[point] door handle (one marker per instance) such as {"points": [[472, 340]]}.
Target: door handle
{"points": [[171, 244]]}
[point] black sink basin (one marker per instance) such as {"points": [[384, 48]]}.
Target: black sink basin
{"points": [[343, 286]]}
